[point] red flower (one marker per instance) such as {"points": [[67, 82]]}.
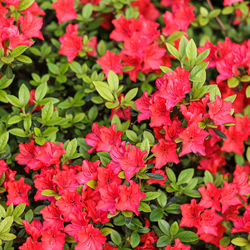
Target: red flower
{"points": [[165, 152], [53, 239], [142, 104], [30, 244], [52, 217], [242, 224], [3, 167], [130, 197], [88, 171], [228, 196], [93, 44], [191, 214], [31, 25], [69, 205], [174, 86], [90, 238], [28, 156], [210, 196], [160, 116], [110, 61], [71, 43], [15, 3], [64, 10], [50, 153], [132, 161], [153, 57], [177, 246], [18, 192], [208, 222], [33, 229], [148, 239], [160, 182], [193, 138], [147, 9], [102, 138], [230, 2], [34, 9], [219, 111]]}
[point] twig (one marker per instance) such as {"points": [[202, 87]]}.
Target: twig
{"points": [[217, 18]]}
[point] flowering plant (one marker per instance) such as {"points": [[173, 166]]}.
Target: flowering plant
{"points": [[124, 124]]}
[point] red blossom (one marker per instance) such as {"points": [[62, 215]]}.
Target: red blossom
{"points": [[177, 246], [142, 104], [71, 43], [53, 239], [90, 238], [219, 111], [165, 152], [18, 192], [130, 197], [34, 229], [64, 10], [193, 139], [110, 61]]}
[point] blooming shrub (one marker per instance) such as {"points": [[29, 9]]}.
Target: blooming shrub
{"points": [[124, 124]]}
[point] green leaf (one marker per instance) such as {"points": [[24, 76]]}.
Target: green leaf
{"points": [[48, 192], [5, 82], [187, 236], [163, 241], [2, 212], [196, 71], [227, 10], [47, 111], [202, 56], [213, 90], [192, 193], [24, 59], [165, 69], [214, 13], [145, 145], [238, 241], [219, 133], [174, 228], [119, 221], [208, 177], [104, 157], [18, 132], [29, 215], [191, 51], [233, 82], [185, 176], [14, 101], [149, 136], [113, 80], [87, 11], [41, 91], [19, 209], [171, 175], [151, 196], [156, 214], [106, 231], [93, 113], [248, 91], [164, 226], [14, 119], [6, 224], [4, 140], [104, 90], [144, 207], [131, 135], [173, 209], [182, 47], [24, 95], [162, 199], [18, 50], [50, 131], [24, 4], [7, 236], [101, 48], [71, 148], [230, 98], [173, 51], [174, 36], [131, 94], [155, 176], [53, 68], [76, 67], [116, 238], [134, 239]]}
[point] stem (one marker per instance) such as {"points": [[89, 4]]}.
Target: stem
{"points": [[217, 18]]}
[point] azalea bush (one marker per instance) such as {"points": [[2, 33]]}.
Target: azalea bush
{"points": [[124, 124]]}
